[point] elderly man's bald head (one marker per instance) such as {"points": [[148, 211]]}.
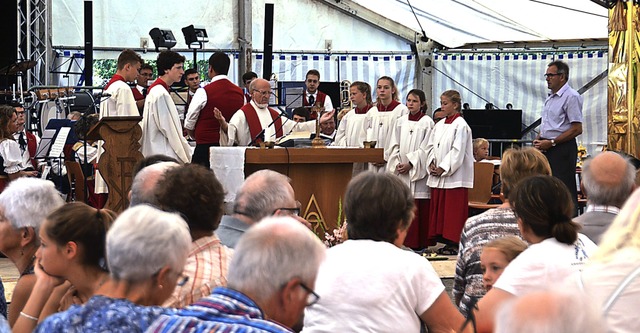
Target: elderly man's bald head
{"points": [[262, 193], [144, 184], [608, 179]]}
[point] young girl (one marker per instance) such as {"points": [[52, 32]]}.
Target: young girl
{"points": [[72, 248], [480, 149], [450, 161], [496, 255], [407, 159], [382, 118]]}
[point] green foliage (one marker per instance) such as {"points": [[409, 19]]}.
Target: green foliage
{"points": [[104, 69]]}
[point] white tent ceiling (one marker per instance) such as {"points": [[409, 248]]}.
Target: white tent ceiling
{"points": [[454, 23]]}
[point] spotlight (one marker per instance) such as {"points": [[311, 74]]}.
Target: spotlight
{"points": [[162, 38], [465, 106], [509, 106], [195, 35]]}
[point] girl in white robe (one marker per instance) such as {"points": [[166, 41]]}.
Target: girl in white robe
{"points": [[408, 160], [382, 118]]}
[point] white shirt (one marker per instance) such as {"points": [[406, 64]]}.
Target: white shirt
{"points": [[238, 132], [369, 286], [328, 104], [545, 264], [408, 144], [10, 152], [450, 147], [161, 129], [601, 278], [26, 156]]}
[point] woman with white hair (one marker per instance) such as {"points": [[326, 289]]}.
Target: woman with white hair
{"points": [[24, 204], [146, 251]]}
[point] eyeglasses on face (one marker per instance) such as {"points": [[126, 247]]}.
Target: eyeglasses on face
{"points": [[292, 211], [182, 280], [262, 92], [313, 298], [552, 74]]}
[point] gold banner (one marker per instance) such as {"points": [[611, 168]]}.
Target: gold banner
{"points": [[623, 127]]}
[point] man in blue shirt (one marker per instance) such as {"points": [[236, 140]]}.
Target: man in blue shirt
{"points": [[561, 124]]}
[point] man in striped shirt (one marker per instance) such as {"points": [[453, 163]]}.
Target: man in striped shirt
{"points": [[271, 281]]}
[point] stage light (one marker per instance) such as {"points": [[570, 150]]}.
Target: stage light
{"points": [[162, 38], [195, 35]]}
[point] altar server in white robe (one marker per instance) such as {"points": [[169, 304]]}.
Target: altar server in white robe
{"points": [[245, 126], [351, 130], [450, 160], [161, 128], [382, 118], [120, 101], [408, 160]]}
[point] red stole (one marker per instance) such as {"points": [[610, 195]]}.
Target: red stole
{"points": [[416, 117], [364, 110], [32, 146], [116, 77], [253, 121], [450, 119], [390, 107], [159, 82]]}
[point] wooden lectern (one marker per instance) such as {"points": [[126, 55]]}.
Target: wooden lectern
{"points": [[318, 176], [121, 136]]}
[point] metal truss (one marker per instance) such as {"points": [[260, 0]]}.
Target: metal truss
{"points": [[34, 40]]}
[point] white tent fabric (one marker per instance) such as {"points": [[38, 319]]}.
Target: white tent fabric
{"points": [[454, 23], [508, 78], [335, 68]]}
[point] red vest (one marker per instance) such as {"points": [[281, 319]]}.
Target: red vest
{"points": [[225, 96], [254, 122], [32, 146], [320, 97], [137, 95]]}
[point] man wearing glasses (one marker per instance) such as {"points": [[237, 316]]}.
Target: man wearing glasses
{"points": [[561, 124], [256, 122], [313, 96], [145, 74], [271, 281], [222, 95], [264, 193]]}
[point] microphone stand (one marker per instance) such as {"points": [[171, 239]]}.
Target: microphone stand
{"points": [[282, 113]]}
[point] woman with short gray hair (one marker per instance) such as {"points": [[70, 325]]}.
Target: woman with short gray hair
{"points": [[23, 206], [146, 251]]}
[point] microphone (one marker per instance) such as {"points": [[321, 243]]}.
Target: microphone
{"points": [[261, 134], [102, 94]]}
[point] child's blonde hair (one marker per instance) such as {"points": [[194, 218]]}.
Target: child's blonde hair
{"points": [[511, 246]]}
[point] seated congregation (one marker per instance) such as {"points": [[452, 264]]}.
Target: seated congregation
{"points": [[163, 266]]}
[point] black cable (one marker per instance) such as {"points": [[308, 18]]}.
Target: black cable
{"points": [[462, 85], [424, 34], [569, 8]]}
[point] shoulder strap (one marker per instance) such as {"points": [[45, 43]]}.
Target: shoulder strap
{"points": [[616, 293]]}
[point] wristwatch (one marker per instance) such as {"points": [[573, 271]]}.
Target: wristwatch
{"points": [[553, 143]]}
